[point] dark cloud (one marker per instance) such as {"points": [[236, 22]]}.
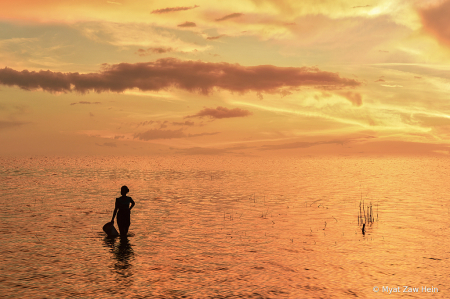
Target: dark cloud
{"points": [[283, 93], [149, 51], [7, 124], [213, 151], [301, 144], [173, 9], [380, 80], [170, 72], [154, 134], [85, 103], [230, 16], [119, 137], [215, 37], [187, 24], [436, 21], [14, 110], [289, 145], [239, 147], [160, 123], [354, 97], [203, 151], [145, 123], [221, 112], [202, 134], [417, 77], [108, 144], [259, 96], [323, 95], [186, 123], [159, 134]]}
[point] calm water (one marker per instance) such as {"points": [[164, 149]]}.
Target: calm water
{"points": [[227, 227]]}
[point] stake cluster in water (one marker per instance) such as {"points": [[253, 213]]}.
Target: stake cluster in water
{"points": [[366, 214]]}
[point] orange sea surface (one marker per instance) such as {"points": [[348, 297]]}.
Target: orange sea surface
{"points": [[225, 227]]}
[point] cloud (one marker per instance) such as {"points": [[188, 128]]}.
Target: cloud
{"points": [[171, 72], [203, 151], [259, 96], [154, 134], [186, 123], [132, 34], [430, 70], [362, 6], [154, 50], [173, 9], [289, 145], [302, 144], [187, 24], [432, 121], [354, 97], [380, 80], [145, 123], [221, 112], [230, 16], [436, 21], [323, 95], [108, 144], [213, 151], [84, 102], [215, 37], [5, 124], [159, 134], [386, 85], [202, 134]]}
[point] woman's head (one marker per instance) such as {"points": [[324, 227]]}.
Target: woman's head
{"points": [[124, 190]]}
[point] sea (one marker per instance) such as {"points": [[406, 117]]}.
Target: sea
{"points": [[226, 227]]}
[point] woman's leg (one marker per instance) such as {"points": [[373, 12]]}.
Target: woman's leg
{"points": [[123, 222]]}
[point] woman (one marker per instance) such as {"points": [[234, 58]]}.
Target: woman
{"points": [[123, 206]]}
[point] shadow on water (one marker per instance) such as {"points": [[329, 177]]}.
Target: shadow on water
{"points": [[123, 256]]}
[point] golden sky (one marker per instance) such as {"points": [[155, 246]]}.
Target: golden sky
{"points": [[247, 77]]}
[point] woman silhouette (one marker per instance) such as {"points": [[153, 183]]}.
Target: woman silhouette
{"points": [[123, 206]]}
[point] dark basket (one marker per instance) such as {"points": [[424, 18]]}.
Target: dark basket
{"points": [[110, 230]]}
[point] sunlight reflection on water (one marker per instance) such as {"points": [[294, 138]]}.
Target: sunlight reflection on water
{"points": [[230, 227]]}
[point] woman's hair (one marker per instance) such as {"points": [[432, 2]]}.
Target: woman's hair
{"points": [[124, 190]]}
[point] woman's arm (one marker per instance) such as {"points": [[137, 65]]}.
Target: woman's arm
{"points": [[114, 213], [132, 203]]}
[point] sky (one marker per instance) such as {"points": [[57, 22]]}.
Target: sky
{"points": [[239, 78]]}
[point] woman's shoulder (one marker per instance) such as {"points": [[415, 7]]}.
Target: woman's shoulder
{"points": [[124, 200]]}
